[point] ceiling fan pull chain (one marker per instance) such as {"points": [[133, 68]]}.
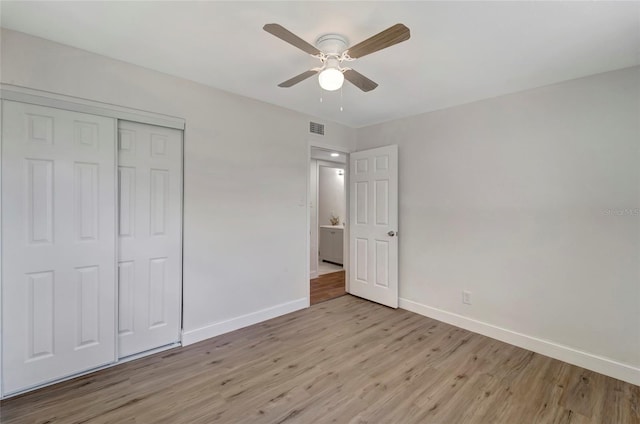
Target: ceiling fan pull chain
{"points": [[341, 103]]}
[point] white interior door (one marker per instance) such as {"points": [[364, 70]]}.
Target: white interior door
{"points": [[313, 219], [373, 212], [58, 244], [150, 237]]}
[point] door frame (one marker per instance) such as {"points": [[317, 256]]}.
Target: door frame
{"points": [[320, 163], [78, 104], [325, 146]]}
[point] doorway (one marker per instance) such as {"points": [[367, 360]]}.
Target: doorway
{"points": [[370, 226], [328, 220]]}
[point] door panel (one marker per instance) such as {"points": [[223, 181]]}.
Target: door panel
{"points": [[58, 244], [150, 228], [88, 295], [374, 224]]}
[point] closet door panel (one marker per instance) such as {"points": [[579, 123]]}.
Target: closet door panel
{"points": [[58, 244], [150, 237]]}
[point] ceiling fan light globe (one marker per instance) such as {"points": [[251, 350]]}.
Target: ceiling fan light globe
{"points": [[331, 79]]}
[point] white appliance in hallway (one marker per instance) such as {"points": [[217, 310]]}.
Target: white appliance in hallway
{"points": [[332, 244]]}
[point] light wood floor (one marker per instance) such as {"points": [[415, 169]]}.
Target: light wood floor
{"points": [[341, 361], [327, 286]]}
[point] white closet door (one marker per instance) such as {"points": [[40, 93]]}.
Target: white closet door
{"points": [[58, 244], [150, 262]]}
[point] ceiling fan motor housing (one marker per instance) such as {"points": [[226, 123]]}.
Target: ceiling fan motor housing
{"points": [[332, 44]]}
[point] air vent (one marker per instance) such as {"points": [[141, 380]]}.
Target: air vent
{"points": [[316, 128]]}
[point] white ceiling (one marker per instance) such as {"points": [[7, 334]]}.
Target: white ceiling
{"points": [[459, 52]]}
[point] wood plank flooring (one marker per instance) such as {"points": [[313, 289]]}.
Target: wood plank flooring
{"points": [[341, 361], [327, 286]]}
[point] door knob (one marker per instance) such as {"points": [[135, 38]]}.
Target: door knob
{"points": [[391, 233]]}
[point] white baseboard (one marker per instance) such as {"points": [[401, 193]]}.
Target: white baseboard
{"points": [[313, 275], [221, 327], [573, 356]]}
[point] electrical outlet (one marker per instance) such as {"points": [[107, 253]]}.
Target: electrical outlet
{"points": [[466, 297]]}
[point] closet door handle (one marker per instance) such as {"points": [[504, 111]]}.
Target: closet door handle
{"points": [[391, 233]]}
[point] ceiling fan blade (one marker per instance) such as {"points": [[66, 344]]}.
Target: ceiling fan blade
{"points": [[293, 81], [359, 80], [288, 36], [387, 38]]}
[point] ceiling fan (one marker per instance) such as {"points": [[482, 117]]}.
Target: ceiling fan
{"points": [[332, 51]]}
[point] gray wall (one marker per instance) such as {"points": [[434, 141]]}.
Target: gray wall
{"points": [[530, 201], [245, 177], [331, 196]]}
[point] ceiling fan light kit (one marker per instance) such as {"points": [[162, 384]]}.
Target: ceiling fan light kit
{"points": [[331, 79], [331, 47], [332, 51]]}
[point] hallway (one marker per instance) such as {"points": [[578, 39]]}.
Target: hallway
{"points": [[327, 286]]}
